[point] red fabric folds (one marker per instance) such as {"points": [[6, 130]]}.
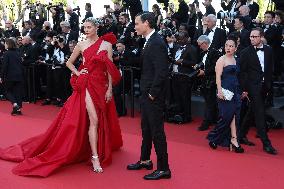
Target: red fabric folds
{"points": [[66, 140]]}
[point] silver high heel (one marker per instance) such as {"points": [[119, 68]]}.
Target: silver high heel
{"points": [[99, 169]]}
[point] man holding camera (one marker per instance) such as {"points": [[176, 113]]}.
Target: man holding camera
{"points": [[185, 59], [55, 59], [126, 29], [67, 32], [208, 59], [73, 20]]}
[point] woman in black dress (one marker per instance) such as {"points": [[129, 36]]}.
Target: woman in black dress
{"points": [[12, 76]]}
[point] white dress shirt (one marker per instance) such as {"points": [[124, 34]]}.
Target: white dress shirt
{"points": [[211, 35], [147, 37], [260, 55]]}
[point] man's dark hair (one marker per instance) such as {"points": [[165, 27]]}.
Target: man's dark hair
{"points": [[120, 41], [271, 13], [125, 15], [183, 34], [241, 19], [261, 32], [89, 5], [148, 16]]}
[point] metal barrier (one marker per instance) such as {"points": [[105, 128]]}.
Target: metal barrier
{"points": [[131, 70]]}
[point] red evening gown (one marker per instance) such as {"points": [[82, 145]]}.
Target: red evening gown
{"points": [[66, 140]]}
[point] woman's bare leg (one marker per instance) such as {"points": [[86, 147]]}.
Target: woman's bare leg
{"points": [[234, 139], [93, 133]]}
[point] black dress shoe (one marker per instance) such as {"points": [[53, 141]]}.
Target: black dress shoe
{"points": [[46, 102], [139, 165], [15, 110], [203, 127], [19, 112], [212, 145], [157, 175], [269, 149], [245, 141]]}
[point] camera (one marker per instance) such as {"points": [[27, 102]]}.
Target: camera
{"points": [[106, 6], [223, 15], [60, 38], [196, 2]]}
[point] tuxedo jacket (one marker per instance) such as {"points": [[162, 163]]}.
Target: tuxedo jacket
{"points": [[154, 70], [189, 56], [12, 68], [219, 39], [251, 74], [244, 38], [209, 65]]}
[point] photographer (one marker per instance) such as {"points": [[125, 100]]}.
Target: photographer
{"points": [[55, 80], [108, 26], [182, 14], [27, 28], [123, 57], [88, 9], [232, 5], [244, 12], [58, 15], [73, 20], [134, 7], [10, 31], [185, 59], [208, 59], [67, 32], [126, 29], [253, 7]]}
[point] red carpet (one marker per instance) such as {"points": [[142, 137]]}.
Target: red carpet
{"points": [[194, 165]]}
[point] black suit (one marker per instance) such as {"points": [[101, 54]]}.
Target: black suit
{"points": [[182, 14], [208, 86], [182, 84], [219, 39], [12, 33], [254, 9], [251, 80], [244, 38], [153, 76], [12, 74]]}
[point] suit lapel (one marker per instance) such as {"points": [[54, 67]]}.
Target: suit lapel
{"points": [[147, 44], [255, 57]]}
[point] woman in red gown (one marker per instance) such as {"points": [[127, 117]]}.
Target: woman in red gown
{"points": [[87, 126]]}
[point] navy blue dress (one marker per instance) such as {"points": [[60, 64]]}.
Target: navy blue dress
{"points": [[221, 134]]}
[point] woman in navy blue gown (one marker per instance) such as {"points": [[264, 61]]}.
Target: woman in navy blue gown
{"points": [[225, 132]]}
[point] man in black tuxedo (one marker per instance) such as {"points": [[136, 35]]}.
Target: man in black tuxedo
{"points": [[182, 14], [244, 33], [153, 76], [88, 9], [216, 35], [185, 59], [73, 20], [256, 69], [208, 58], [123, 57], [67, 32], [11, 31], [209, 8], [254, 8], [126, 29]]}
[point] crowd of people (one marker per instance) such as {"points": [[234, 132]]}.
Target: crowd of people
{"points": [[195, 43]]}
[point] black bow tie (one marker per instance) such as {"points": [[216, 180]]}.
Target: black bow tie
{"points": [[208, 31], [259, 49]]}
